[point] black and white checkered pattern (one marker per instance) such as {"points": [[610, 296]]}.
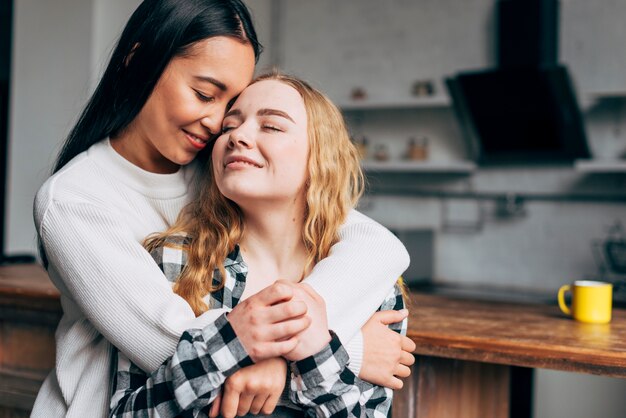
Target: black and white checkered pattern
{"points": [[188, 382], [172, 258], [326, 387]]}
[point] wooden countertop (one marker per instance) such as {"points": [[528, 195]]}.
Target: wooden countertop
{"points": [[520, 334], [27, 286], [26, 280]]}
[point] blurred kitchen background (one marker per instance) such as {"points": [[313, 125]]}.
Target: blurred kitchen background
{"points": [[488, 212]]}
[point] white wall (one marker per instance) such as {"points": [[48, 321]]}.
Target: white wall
{"points": [[50, 80], [592, 42], [261, 11], [383, 46], [109, 18]]}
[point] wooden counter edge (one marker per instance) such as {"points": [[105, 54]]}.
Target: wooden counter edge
{"points": [[577, 364]]}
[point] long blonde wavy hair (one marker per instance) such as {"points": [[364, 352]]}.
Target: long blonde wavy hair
{"points": [[214, 224]]}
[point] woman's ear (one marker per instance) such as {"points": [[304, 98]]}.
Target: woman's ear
{"points": [[130, 54]]}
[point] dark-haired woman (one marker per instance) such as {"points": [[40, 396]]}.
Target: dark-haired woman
{"points": [[124, 173]]}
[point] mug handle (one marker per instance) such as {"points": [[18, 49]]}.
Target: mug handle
{"points": [[566, 309]]}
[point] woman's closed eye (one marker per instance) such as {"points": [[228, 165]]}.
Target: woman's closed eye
{"points": [[266, 127], [203, 97], [271, 128]]}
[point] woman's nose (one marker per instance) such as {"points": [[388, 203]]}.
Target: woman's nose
{"points": [[238, 137], [212, 123]]}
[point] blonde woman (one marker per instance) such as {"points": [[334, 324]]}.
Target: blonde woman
{"points": [[282, 181]]}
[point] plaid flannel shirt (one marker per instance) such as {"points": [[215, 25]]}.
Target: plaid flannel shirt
{"points": [[187, 383]]}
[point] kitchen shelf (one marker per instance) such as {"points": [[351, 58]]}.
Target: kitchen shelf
{"points": [[409, 103], [607, 95], [433, 167], [589, 100], [600, 166]]}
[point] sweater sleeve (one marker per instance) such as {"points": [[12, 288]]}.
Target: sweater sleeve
{"points": [[115, 282], [354, 279], [189, 381]]}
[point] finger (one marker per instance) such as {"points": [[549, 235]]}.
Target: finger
{"points": [[402, 371], [215, 406], [287, 329], [230, 401], [274, 293], [270, 405], [310, 291], [407, 359], [391, 316], [257, 404], [283, 311], [272, 349], [245, 400], [395, 384], [407, 344]]}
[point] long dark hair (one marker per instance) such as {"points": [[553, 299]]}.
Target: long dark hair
{"points": [[157, 31]]}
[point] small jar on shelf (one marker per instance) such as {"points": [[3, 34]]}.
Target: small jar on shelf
{"points": [[381, 152], [417, 149]]}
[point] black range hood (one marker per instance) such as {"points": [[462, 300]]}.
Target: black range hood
{"points": [[525, 110]]}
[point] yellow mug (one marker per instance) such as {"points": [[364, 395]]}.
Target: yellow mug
{"points": [[591, 301]]}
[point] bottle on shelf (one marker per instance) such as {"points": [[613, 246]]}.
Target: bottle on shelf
{"points": [[381, 152], [417, 149]]}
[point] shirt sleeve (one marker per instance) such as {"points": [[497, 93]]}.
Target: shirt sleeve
{"points": [[115, 282], [188, 381], [354, 279], [325, 386]]}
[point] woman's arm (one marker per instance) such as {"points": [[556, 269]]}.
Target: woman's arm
{"points": [[325, 386], [97, 263], [254, 389], [355, 278], [388, 355], [189, 380]]}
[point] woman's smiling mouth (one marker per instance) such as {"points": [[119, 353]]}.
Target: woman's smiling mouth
{"points": [[235, 161], [197, 141]]}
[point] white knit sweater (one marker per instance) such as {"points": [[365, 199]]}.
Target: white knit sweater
{"points": [[92, 217]]}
